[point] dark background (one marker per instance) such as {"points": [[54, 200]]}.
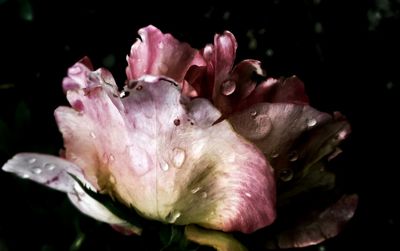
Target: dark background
{"points": [[346, 52]]}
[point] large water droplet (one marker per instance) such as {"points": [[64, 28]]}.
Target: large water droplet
{"points": [[92, 135], [164, 166], [311, 122], [31, 160], [286, 174], [173, 216], [178, 156], [195, 190], [36, 170], [49, 166], [228, 87]]}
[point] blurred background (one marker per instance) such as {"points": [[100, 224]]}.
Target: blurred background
{"points": [[346, 52]]}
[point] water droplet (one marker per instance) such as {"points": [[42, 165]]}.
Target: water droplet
{"points": [[164, 166], [311, 122], [49, 166], [253, 114], [92, 135], [32, 160], [286, 174], [112, 158], [112, 179], [248, 195], [160, 45], [124, 94], [139, 87], [36, 170], [204, 195], [293, 156], [195, 190], [178, 156], [274, 155], [173, 216], [177, 122], [228, 87], [25, 176]]}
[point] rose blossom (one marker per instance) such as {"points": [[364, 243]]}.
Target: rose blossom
{"points": [[191, 139]]}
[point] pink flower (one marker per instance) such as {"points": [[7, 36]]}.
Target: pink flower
{"points": [[191, 139]]}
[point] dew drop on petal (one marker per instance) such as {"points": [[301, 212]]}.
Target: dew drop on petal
{"points": [[32, 160], [195, 190], [173, 216], [92, 135], [112, 179], [204, 195], [178, 156], [311, 122], [177, 122], [286, 174], [112, 158], [253, 114], [228, 87], [293, 156], [36, 170], [164, 166], [160, 45], [274, 155], [49, 166], [248, 195], [25, 176]]}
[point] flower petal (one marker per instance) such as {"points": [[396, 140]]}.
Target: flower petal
{"points": [[160, 54], [162, 154], [283, 90], [56, 173], [317, 225], [218, 240], [293, 137]]}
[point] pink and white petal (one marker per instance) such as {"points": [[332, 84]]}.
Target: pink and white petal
{"points": [[56, 173], [223, 57], [45, 169], [179, 141], [159, 54], [318, 225]]}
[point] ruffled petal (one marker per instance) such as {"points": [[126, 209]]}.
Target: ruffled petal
{"points": [[56, 173], [160, 54], [161, 153]]}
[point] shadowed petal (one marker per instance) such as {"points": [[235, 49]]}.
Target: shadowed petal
{"points": [[160, 54], [317, 225], [55, 173]]}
